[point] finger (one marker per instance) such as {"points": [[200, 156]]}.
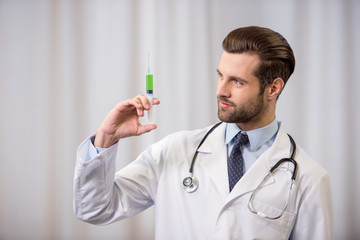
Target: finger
{"points": [[146, 128], [139, 103], [129, 103], [156, 101], [144, 101]]}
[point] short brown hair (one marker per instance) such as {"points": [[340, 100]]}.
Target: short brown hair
{"points": [[276, 56]]}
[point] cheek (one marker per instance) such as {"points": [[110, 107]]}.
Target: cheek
{"points": [[241, 95], [246, 98]]}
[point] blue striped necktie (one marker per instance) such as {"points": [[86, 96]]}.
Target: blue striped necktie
{"points": [[236, 165]]}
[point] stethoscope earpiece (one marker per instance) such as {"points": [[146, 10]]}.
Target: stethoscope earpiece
{"points": [[190, 184]]}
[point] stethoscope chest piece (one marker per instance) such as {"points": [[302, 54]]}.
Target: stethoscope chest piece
{"points": [[190, 184]]}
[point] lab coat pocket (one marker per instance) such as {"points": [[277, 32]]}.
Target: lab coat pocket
{"points": [[265, 228], [236, 221], [265, 213], [271, 201], [269, 207]]}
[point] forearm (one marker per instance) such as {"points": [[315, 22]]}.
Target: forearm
{"points": [[93, 184], [101, 196]]}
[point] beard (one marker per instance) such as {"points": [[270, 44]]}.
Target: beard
{"points": [[251, 110]]}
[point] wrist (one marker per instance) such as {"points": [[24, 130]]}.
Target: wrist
{"points": [[104, 140]]}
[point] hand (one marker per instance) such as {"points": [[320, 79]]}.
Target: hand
{"points": [[123, 121]]}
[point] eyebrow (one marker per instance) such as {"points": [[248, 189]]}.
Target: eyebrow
{"points": [[232, 77]]}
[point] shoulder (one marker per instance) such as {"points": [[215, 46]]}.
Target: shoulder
{"points": [[309, 171], [311, 176], [178, 146], [185, 137], [186, 140]]}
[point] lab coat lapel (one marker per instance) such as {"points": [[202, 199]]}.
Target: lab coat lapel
{"points": [[212, 159], [252, 178]]}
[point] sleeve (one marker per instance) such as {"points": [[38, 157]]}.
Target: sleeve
{"points": [[92, 150], [101, 195], [315, 216]]}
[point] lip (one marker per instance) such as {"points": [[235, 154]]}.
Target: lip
{"points": [[225, 104]]}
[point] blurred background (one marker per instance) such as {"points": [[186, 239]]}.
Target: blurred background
{"points": [[65, 64]]}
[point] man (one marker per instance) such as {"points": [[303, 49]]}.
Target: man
{"points": [[232, 201]]}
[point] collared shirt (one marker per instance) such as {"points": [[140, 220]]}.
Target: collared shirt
{"points": [[259, 141]]}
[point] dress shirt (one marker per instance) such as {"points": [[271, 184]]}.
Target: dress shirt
{"points": [[259, 141]]}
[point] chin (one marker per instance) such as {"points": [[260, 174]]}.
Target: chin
{"points": [[226, 119]]}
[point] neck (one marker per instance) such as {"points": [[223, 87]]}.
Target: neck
{"points": [[261, 120], [248, 126]]}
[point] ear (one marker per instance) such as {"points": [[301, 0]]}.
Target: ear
{"points": [[275, 88]]}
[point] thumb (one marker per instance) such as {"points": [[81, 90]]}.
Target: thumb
{"points": [[146, 128]]}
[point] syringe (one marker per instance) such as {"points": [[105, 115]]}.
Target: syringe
{"points": [[149, 90]]}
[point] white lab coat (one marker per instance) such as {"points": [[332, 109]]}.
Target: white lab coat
{"points": [[211, 212]]}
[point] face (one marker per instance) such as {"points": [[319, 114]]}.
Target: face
{"points": [[238, 92]]}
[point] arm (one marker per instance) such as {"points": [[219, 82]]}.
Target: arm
{"points": [[99, 198]]}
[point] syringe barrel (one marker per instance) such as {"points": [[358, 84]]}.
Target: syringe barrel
{"points": [[149, 83]]}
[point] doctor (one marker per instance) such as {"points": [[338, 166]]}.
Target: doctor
{"points": [[253, 69]]}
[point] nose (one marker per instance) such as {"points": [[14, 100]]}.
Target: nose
{"points": [[222, 89]]}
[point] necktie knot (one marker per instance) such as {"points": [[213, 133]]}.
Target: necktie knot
{"points": [[241, 139]]}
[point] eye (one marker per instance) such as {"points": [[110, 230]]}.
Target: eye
{"points": [[238, 81]]}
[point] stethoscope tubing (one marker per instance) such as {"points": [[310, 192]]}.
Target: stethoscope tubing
{"points": [[201, 142], [291, 159], [190, 183]]}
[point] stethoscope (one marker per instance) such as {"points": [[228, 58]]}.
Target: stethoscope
{"points": [[191, 184]]}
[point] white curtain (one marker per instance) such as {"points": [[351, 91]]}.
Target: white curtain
{"points": [[64, 64]]}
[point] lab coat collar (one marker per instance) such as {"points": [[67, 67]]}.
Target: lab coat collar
{"points": [[212, 142]]}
